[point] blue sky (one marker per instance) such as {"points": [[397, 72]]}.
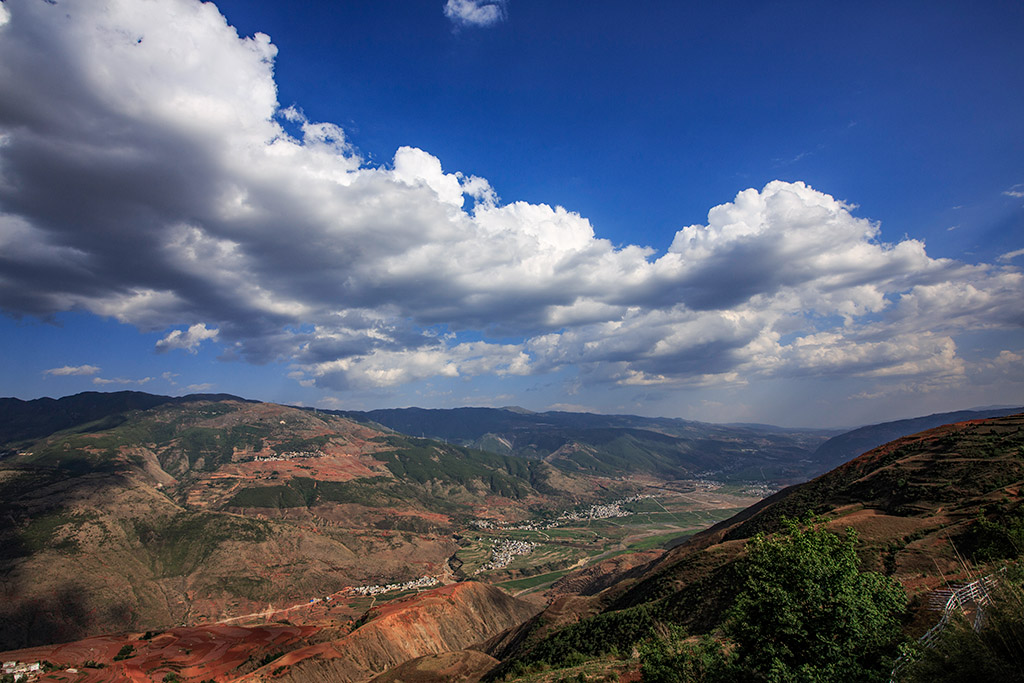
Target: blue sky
{"points": [[361, 205]]}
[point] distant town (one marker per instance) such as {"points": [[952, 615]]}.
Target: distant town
{"points": [[377, 589], [290, 455], [596, 511]]}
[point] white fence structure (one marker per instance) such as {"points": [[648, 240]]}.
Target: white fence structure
{"points": [[950, 601]]}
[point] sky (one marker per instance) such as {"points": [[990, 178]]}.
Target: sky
{"points": [[796, 213]]}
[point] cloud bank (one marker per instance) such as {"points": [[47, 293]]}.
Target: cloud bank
{"points": [[146, 174]]}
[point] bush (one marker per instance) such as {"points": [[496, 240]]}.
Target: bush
{"points": [[125, 652], [806, 613], [1000, 537], [670, 658]]}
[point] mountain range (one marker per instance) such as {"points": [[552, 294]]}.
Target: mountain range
{"points": [[283, 543]]}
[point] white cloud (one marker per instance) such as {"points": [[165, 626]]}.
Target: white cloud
{"points": [[1017, 191], [121, 380], [1006, 366], [1010, 255], [416, 167], [475, 12], [205, 386], [199, 212], [392, 368], [72, 370], [188, 340]]}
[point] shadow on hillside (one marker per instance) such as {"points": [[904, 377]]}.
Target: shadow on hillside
{"points": [[34, 508], [60, 617]]}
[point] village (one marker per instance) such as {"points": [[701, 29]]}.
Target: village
{"points": [[596, 511], [22, 671], [290, 455], [503, 553], [422, 582]]}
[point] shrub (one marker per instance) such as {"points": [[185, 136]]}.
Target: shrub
{"points": [[125, 652], [670, 658], [805, 611]]}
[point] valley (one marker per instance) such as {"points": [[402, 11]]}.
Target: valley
{"points": [[211, 538]]}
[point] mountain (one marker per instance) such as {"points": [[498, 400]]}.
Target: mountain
{"points": [[215, 537], [846, 446], [923, 506], [200, 509], [616, 444], [25, 420]]}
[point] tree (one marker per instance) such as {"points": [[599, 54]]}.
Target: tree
{"points": [[806, 613]]}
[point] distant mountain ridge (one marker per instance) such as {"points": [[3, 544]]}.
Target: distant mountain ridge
{"points": [[616, 444], [22, 420], [470, 423], [849, 445], [584, 441]]}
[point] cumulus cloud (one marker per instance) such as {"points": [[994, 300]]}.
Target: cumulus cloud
{"points": [[475, 12], [188, 340], [187, 208], [72, 370]]}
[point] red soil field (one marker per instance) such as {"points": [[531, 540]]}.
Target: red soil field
{"points": [[194, 653]]}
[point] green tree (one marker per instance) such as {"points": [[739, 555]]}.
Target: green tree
{"points": [[127, 651], [806, 613], [999, 538]]}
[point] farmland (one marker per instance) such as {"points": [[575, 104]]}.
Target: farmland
{"points": [[652, 523]]}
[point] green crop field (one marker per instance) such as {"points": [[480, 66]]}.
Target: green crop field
{"points": [[533, 581]]}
